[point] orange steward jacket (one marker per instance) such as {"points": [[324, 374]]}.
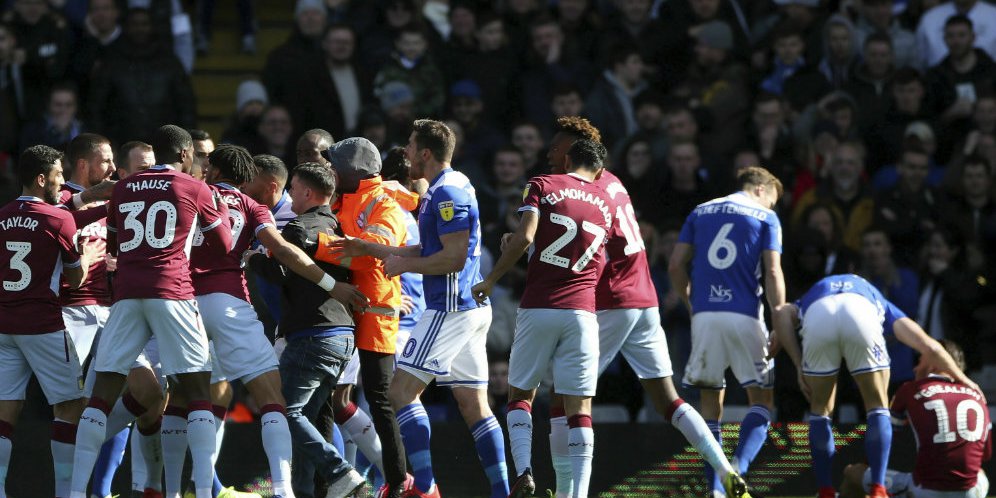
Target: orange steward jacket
{"points": [[375, 213]]}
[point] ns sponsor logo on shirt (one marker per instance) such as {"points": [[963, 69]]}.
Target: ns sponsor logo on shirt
{"points": [[841, 286], [720, 294]]}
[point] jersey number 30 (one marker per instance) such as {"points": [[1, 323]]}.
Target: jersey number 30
{"points": [[549, 255], [147, 232]]}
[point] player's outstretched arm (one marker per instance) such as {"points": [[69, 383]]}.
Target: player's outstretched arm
{"points": [[785, 319], [513, 246], [774, 279], [298, 262], [934, 358], [355, 247], [677, 270], [449, 259]]}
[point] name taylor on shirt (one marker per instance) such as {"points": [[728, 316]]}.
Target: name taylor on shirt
{"points": [[19, 222], [578, 195]]}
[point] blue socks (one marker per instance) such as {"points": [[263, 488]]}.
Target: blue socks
{"points": [[711, 477], [753, 433], [337, 441], [415, 433], [108, 462], [216, 487], [822, 448], [490, 443], [878, 441]]}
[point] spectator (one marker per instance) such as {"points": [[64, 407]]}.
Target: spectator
{"points": [[610, 104], [567, 101], [959, 78], [790, 49], [139, 87], [373, 127], [842, 50], [899, 285], [910, 209], [770, 136], [686, 21], [360, 15], [102, 31], [378, 43], [311, 145], [876, 16], [45, 41], [718, 86], [581, 26], [12, 96], [825, 138], [288, 65], [908, 105], [549, 67], [824, 219], [971, 213], [803, 16], [650, 122], [462, 161], [641, 175], [498, 380], [205, 22], [398, 103], [274, 134], [844, 193], [528, 140], [412, 65], [983, 123], [930, 33], [494, 67], [342, 87], [633, 27], [250, 100], [918, 135], [480, 138], [509, 178], [60, 123], [683, 189], [869, 83]]}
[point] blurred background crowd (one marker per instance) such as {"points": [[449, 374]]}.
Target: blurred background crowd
{"points": [[879, 116]]}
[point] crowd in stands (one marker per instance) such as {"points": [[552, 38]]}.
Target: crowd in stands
{"points": [[879, 116]]}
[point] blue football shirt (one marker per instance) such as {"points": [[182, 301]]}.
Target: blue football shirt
{"points": [[888, 313], [450, 206], [728, 235]]}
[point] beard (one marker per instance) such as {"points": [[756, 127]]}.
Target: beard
{"points": [[51, 196]]}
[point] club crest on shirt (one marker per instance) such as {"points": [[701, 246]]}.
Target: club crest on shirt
{"points": [[525, 192], [446, 210]]}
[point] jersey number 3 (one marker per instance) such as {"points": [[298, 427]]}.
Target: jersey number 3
{"points": [[21, 250], [549, 255]]}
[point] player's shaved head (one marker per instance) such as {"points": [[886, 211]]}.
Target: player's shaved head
{"points": [[168, 143], [233, 163]]}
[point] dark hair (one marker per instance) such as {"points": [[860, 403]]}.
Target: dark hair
{"points": [[168, 143], [543, 20], [339, 26], [787, 30], [578, 127], [978, 159], [411, 29], [396, 167], [562, 89], [435, 136], [485, 17], [906, 75], [765, 97], [878, 37], [64, 86], [321, 134], [271, 165], [959, 19], [620, 53], [914, 148], [835, 220], [82, 147], [234, 162], [756, 175], [649, 96], [317, 176], [588, 154], [957, 354], [508, 149], [37, 160], [198, 135]]}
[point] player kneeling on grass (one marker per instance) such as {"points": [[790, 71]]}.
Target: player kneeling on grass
{"points": [[845, 317], [952, 429]]}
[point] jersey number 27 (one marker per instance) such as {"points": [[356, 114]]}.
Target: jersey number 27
{"points": [[549, 255]]}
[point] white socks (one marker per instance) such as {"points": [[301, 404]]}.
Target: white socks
{"points": [[581, 442], [688, 421], [560, 454], [362, 432], [277, 445], [520, 435], [6, 433], [201, 438], [174, 448], [89, 437]]}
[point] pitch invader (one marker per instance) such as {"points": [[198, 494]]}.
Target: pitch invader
{"points": [[950, 447], [448, 343], [845, 317], [37, 244], [728, 242], [566, 219], [629, 323], [153, 215]]}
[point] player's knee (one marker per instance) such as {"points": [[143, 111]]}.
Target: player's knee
{"points": [[341, 397], [473, 404]]}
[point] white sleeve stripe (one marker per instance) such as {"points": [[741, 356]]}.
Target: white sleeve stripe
{"points": [[211, 226], [262, 226], [529, 208]]}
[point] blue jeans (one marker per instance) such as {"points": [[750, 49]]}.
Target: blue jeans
{"points": [[309, 370]]}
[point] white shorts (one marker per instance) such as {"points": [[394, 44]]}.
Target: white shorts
{"points": [[241, 349], [638, 335], [148, 358], [83, 323], [566, 338], [900, 485], [51, 357], [449, 347], [176, 325], [842, 326], [722, 339], [351, 373]]}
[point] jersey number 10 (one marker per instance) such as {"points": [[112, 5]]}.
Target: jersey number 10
{"points": [[549, 255], [944, 432]]}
